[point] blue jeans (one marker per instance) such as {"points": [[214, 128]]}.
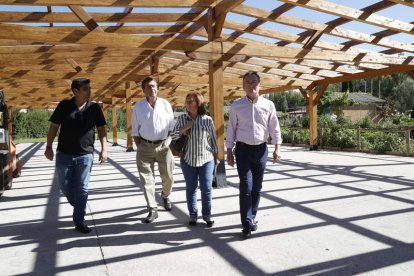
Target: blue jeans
{"points": [[192, 175], [73, 172], [251, 163]]}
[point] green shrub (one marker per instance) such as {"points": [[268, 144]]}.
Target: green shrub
{"points": [[367, 122], [383, 141], [340, 138], [32, 124], [299, 136]]}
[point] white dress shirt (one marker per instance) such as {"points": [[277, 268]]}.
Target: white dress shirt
{"points": [[152, 124], [251, 122]]}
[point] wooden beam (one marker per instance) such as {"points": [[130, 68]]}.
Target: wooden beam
{"points": [[304, 93], [112, 3], [91, 19], [72, 63], [367, 74], [229, 48], [278, 89], [220, 12], [321, 91], [354, 14], [313, 39], [85, 18], [310, 25]]}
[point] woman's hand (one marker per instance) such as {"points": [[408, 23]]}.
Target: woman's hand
{"points": [[186, 127]]}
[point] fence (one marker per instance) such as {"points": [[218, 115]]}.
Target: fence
{"points": [[373, 140]]}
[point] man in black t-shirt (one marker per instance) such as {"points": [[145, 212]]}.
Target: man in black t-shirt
{"points": [[77, 119]]}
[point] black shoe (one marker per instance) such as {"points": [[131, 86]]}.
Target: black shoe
{"points": [[192, 221], [253, 227], [247, 233], [209, 222], [83, 228], [153, 214], [167, 204]]}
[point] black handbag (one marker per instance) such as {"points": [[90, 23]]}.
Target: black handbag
{"points": [[178, 146]]}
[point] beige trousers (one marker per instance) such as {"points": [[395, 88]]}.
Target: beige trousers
{"points": [[147, 155]]}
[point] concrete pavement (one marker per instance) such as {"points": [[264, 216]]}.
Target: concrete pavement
{"points": [[322, 213]]}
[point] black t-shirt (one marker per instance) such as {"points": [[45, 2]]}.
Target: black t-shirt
{"points": [[77, 128]]}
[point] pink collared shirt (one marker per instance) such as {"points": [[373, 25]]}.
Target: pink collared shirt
{"points": [[252, 122]]}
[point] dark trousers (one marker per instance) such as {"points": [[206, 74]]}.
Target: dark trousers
{"points": [[251, 163]]}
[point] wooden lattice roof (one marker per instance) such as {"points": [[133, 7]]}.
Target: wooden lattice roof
{"points": [[46, 43]]}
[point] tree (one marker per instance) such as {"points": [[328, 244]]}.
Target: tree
{"points": [[403, 95], [287, 100], [32, 124], [121, 119]]}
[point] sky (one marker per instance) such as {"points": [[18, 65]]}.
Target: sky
{"points": [[400, 12]]}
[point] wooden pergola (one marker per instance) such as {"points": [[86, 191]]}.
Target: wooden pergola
{"points": [[191, 45]]}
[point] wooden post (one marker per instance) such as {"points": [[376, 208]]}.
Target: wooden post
{"points": [[114, 123], [359, 139], [215, 70], [128, 106], [105, 111], [9, 122], [313, 120], [407, 141]]}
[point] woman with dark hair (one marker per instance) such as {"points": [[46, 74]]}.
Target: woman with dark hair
{"points": [[200, 156]]}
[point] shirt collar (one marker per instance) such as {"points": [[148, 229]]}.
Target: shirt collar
{"points": [[254, 101]]}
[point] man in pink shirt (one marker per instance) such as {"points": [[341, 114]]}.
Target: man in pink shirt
{"points": [[252, 120]]}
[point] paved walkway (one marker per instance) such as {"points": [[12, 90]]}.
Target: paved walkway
{"points": [[330, 213]]}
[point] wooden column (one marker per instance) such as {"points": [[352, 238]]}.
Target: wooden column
{"points": [[313, 120], [10, 114], [128, 106], [215, 69], [105, 111], [114, 123]]}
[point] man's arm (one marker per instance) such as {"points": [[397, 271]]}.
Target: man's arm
{"points": [[103, 156], [51, 134], [230, 137]]}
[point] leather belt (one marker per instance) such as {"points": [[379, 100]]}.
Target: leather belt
{"points": [[152, 142], [249, 146]]}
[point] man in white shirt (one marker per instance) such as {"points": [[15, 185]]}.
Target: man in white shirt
{"points": [[152, 123], [252, 120]]}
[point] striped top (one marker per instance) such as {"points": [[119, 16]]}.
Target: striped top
{"points": [[202, 141]]}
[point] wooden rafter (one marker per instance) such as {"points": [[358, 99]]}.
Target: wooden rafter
{"points": [[117, 47]]}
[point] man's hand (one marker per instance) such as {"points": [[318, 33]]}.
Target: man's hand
{"points": [[276, 154], [103, 156], [49, 153], [230, 157]]}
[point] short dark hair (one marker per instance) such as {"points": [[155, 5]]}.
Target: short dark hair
{"points": [[251, 73], [201, 110], [78, 83], [147, 80]]}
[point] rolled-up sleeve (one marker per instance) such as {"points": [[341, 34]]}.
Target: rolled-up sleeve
{"points": [[231, 128], [213, 136], [135, 127], [274, 127]]}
